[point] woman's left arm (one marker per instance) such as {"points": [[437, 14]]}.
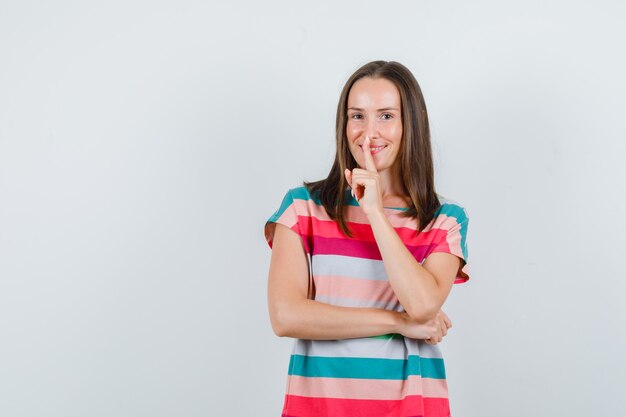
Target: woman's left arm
{"points": [[421, 288]]}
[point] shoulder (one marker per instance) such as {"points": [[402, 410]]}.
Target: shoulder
{"points": [[304, 196], [451, 208], [295, 193], [298, 199], [300, 192]]}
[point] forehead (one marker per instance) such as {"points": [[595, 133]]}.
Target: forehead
{"points": [[374, 92]]}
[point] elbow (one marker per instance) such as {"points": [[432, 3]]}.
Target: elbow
{"points": [[280, 330], [279, 319], [286, 316], [423, 313]]}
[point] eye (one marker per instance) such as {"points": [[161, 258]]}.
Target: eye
{"points": [[387, 116], [356, 116]]}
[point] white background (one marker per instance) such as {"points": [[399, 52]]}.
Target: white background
{"points": [[143, 144]]}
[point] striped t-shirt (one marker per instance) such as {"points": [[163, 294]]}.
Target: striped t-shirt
{"points": [[387, 375]]}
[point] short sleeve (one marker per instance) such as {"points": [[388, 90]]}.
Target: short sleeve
{"points": [[291, 213], [453, 218]]}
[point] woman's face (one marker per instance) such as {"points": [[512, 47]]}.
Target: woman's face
{"points": [[374, 110]]}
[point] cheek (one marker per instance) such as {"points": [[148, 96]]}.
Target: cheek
{"points": [[351, 130], [395, 131], [395, 135]]}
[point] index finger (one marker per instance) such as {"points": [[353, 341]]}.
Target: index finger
{"points": [[367, 156]]}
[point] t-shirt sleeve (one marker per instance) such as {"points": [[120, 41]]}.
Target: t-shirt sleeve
{"points": [[291, 213], [453, 218]]}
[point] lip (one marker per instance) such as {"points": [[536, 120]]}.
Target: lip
{"points": [[375, 146]]}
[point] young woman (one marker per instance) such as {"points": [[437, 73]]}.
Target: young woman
{"points": [[363, 260]]}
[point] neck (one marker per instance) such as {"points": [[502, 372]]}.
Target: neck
{"points": [[391, 184]]}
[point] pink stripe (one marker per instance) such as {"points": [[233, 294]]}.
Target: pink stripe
{"points": [[361, 289], [330, 229], [354, 388], [361, 249], [450, 243], [411, 406], [358, 219]]}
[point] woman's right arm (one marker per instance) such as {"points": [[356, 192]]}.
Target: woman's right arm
{"points": [[293, 315]]}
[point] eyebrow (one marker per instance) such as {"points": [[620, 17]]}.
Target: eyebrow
{"points": [[383, 109]]}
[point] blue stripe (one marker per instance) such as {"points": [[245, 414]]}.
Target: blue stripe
{"points": [[366, 368]]}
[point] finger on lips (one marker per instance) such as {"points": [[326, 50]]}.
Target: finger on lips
{"points": [[367, 155]]}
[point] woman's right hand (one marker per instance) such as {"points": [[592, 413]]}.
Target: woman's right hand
{"points": [[432, 331]]}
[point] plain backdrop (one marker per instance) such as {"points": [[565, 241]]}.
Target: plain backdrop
{"points": [[143, 145]]}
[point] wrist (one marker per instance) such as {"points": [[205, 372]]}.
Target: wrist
{"points": [[378, 221], [398, 322], [375, 214]]}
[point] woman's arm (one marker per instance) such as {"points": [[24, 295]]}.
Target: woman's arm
{"points": [[293, 315], [421, 289]]}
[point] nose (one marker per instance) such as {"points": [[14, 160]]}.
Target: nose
{"points": [[371, 128]]}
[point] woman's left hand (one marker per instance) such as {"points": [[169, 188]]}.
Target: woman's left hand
{"points": [[442, 323], [365, 182]]}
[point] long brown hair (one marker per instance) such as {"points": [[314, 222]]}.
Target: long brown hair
{"points": [[416, 161]]}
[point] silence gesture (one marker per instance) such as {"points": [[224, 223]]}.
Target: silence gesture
{"points": [[365, 182]]}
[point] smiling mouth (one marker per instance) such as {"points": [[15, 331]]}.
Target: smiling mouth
{"points": [[375, 149]]}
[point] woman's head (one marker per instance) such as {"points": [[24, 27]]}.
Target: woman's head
{"points": [[368, 105], [389, 107], [374, 110]]}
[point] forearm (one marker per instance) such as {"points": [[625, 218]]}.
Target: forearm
{"points": [[310, 319], [414, 286]]}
